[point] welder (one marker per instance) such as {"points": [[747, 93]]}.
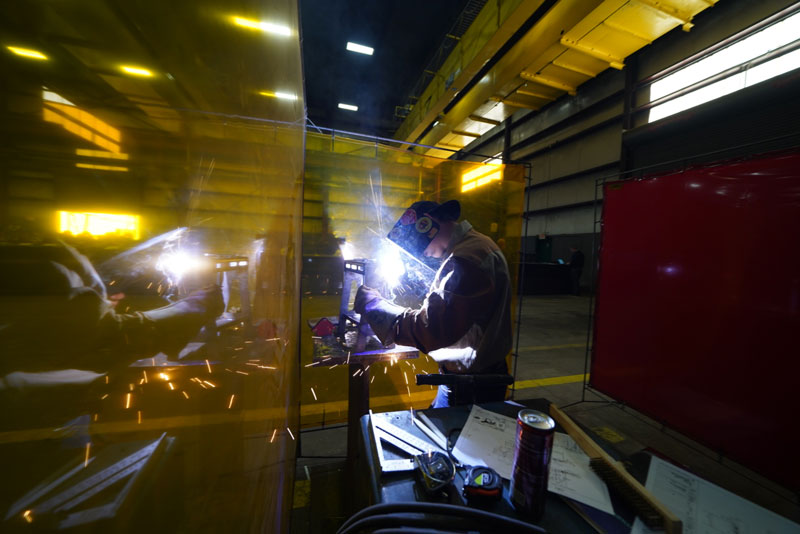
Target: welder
{"points": [[465, 319], [59, 329]]}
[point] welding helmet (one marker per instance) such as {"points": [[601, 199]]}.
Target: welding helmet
{"points": [[416, 229]]}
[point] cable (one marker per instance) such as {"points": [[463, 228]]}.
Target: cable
{"points": [[461, 525], [440, 509], [407, 530]]}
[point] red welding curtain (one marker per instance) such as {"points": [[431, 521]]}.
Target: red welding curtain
{"points": [[698, 307]]}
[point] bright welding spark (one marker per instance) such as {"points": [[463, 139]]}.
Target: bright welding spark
{"points": [[230, 403], [409, 390], [289, 430], [348, 251], [213, 385], [164, 376], [384, 370], [138, 417], [209, 367], [314, 393], [28, 515], [127, 401], [372, 379], [406, 377], [106, 379], [171, 387], [185, 394], [273, 435], [145, 376], [390, 265], [130, 387], [86, 456], [104, 396], [176, 264]]}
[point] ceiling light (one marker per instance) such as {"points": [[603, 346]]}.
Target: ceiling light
{"points": [[136, 71], [361, 49], [27, 52], [348, 107], [268, 27], [278, 94]]}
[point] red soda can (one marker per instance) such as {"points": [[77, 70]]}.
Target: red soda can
{"points": [[531, 467]]}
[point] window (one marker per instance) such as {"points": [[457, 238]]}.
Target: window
{"points": [[754, 59]]}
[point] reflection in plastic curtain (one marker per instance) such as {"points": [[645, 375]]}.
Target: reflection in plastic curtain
{"points": [[85, 381]]}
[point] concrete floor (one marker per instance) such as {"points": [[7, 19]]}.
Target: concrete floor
{"points": [[550, 365]]}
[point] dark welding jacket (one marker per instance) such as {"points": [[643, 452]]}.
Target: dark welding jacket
{"points": [[465, 321]]}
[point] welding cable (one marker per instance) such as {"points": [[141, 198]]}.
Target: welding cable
{"points": [[439, 509], [406, 530]]}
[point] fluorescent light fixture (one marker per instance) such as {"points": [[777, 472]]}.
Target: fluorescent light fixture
{"points": [[361, 49], [27, 52], [98, 224], [738, 54], [278, 94], [101, 167], [348, 107], [481, 176], [268, 27], [100, 154], [136, 71], [59, 110]]}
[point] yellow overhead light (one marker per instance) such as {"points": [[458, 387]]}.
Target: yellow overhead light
{"points": [[278, 94], [481, 176], [361, 49], [59, 110], [136, 71], [101, 167], [100, 154], [98, 224], [27, 52], [263, 26]]}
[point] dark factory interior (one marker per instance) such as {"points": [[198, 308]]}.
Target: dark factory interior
{"points": [[382, 266]]}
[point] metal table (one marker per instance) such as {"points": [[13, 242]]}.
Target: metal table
{"points": [[375, 488]]}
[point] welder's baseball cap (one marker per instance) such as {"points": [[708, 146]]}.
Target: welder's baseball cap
{"points": [[416, 228]]}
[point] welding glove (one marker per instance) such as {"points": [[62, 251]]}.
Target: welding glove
{"points": [[179, 322], [381, 314]]}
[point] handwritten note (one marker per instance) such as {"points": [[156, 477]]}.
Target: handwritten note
{"points": [[571, 476], [487, 439], [705, 508]]}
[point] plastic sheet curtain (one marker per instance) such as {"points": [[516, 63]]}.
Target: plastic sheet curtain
{"points": [[148, 138], [354, 193]]}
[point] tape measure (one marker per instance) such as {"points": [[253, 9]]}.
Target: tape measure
{"points": [[482, 483]]}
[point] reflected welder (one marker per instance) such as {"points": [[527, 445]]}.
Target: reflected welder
{"points": [[465, 320]]}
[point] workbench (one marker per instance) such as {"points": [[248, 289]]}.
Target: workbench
{"points": [[375, 488]]}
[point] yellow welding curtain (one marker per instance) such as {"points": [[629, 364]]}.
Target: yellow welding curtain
{"points": [[355, 191], [148, 136]]}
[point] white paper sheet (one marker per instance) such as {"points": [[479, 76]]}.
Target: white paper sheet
{"points": [[487, 439], [571, 476], [706, 508]]}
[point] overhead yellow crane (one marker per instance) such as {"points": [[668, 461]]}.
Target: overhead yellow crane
{"points": [[572, 42]]}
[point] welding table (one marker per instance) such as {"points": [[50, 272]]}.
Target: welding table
{"points": [[402, 487], [358, 382]]}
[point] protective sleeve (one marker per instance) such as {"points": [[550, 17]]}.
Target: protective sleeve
{"points": [[458, 299]]}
